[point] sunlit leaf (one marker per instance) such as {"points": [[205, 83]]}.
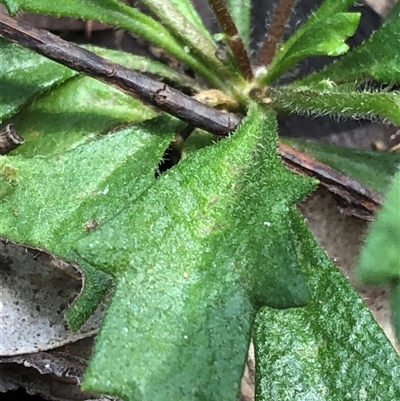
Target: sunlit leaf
{"points": [[378, 58], [324, 37], [329, 350], [24, 75], [55, 199], [336, 101], [119, 14], [224, 247], [241, 14]]}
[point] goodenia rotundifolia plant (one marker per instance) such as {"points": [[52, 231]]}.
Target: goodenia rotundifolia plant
{"points": [[211, 252]]}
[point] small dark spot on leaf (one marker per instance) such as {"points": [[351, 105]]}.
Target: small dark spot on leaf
{"points": [[91, 225]]}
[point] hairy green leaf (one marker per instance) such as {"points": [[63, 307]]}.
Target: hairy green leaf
{"points": [[147, 65], [55, 199], [327, 9], [378, 58], [394, 13], [192, 37], [325, 37], [380, 258], [78, 111], [187, 8], [331, 349], [336, 101], [219, 224], [373, 169], [24, 75], [116, 13], [394, 303], [241, 14]]}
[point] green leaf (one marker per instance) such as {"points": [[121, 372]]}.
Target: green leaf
{"points": [[187, 9], [55, 198], [192, 37], [24, 75], [395, 305], [394, 13], [325, 12], [76, 110], [331, 349], [329, 8], [373, 169], [116, 13], [147, 65], [325, 37], [337, 101], [219, 230], [380, 258], [378, 58], [241, 14]]}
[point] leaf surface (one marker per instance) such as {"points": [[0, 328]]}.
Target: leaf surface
{"points": [[337, 101], [54, 200], [72, 112], [324, 37], [24, 75], [115, 13], [331, 349], [383, 239], [80, 110], [219, 223], [241, 14], [378, 58]]}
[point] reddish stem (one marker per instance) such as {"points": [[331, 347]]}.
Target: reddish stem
{"points": [[275, 32], [233, 40]]}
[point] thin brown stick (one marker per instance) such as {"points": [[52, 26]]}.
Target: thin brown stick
{"points": [[275, 32], [146, 89], [234, 40]]}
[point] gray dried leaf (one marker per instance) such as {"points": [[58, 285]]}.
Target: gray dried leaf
{"points": [[55, 375], [36, 292]]}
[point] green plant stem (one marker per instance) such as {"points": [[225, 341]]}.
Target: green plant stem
{"points": [[233, 37], [275, 32]]}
